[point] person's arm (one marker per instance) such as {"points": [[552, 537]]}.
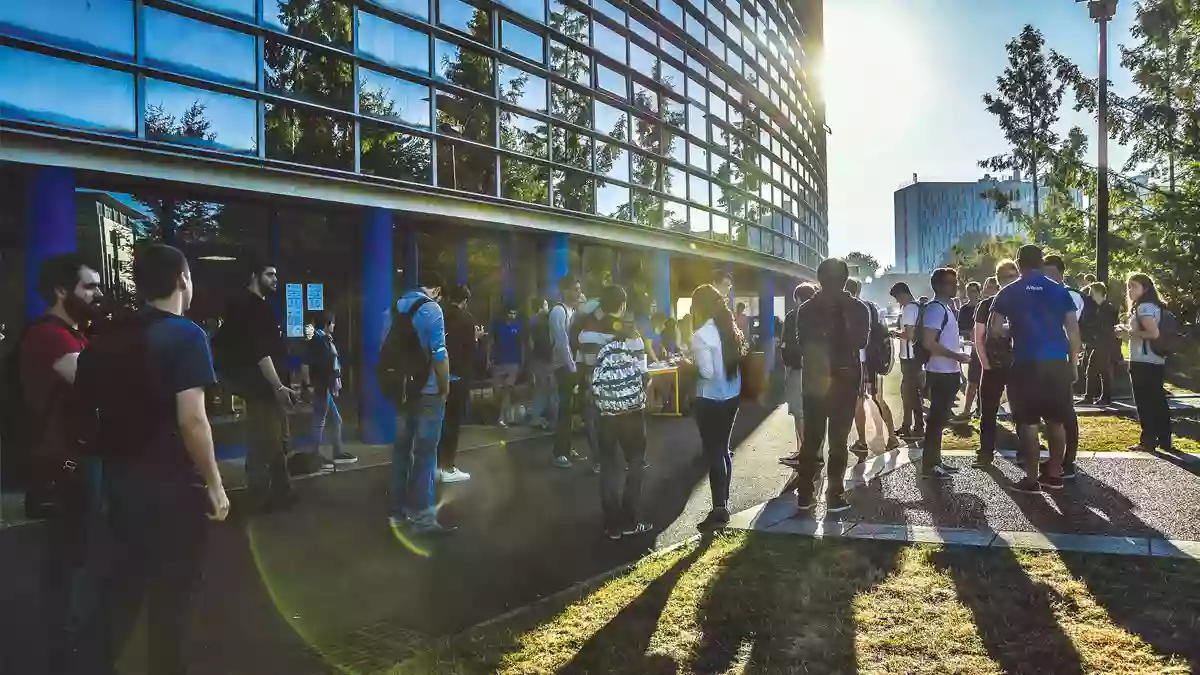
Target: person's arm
{"points": [[1146, 327], [434, 339], [1071, 322], [704, 357], [980, 335], [930, 339], [66, 366], [196, 433], [558, 337]]}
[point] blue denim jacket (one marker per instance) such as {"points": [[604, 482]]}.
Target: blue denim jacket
{"points": [[430, 326]]}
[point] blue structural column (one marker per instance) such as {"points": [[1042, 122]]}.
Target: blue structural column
{"points": [[766, 318], [412, 258], [661, 282], [378, 418], [50, 229], [462, 256], [558, 262], [508, 269]]}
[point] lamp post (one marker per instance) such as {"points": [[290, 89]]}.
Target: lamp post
{"points": [[1102, 11]]}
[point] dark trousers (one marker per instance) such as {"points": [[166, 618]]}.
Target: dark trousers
{"points": [[456, 410], [1101, 361], [827, 410], [622, 441], [715, 421], [910, 394], [64, 576], [943, 387], [565, 380], [157, 555], [267, 478], [1151, 398], [991, 389], [1071, 429]]}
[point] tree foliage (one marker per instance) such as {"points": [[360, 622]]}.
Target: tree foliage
{"points": [[867, 263]]}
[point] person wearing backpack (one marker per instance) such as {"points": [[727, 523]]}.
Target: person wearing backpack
{"points": [[462, 339], [414, 349], [911, 369], [966, 324], [617, 383], [793, 361], [143, 379], [565, 370], [1147, 366], [41, 451], [995, 355], [939, 344], [874, 360], [545, 397]]}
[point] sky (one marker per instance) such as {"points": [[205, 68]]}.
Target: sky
{"points": [[903, 81]]}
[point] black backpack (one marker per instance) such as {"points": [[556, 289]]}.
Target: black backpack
{"points": [[920, 354], [879, 344], [404, 364], [543, 347], [1170, 335]]}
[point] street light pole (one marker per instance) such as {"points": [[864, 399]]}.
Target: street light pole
{"points": [[1102, 11]]}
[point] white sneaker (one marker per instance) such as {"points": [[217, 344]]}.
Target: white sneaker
{"points": [[454, 475]]}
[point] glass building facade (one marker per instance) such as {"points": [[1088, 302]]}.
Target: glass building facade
{"points": [[696, 117]]}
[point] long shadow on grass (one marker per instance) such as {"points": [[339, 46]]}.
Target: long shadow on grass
{"points": [[777, 614]]}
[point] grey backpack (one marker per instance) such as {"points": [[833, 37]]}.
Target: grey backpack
{"points": [[617, 381]]}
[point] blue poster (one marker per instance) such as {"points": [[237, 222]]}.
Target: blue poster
{"points": [[316, 297], [295, 310]]}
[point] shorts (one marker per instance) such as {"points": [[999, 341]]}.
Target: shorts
{"points": [[1041, 390], [975, 370], [504, 376]]}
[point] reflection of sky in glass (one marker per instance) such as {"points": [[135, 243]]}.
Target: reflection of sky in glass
{"points": [[698, 189], [720, 226], [67, 93], [674, 215], [610, 197], [698, 156], [233, 121], [718, 195], [534, 9], [620, 161], [696, 91], [104, 26], [696, 29], [678, 147], [608, 119], [642, 30], [243, 9], [610, 10], [392, 44], [611, 81], [178, 43], [521, 134], [521, 88], [698, 221], [415, 8], [460, 15], [641, 61], [607, 42], [674, 182], [386, 96], [697, 124], [671, 76], [672, 11], [522, 42]]}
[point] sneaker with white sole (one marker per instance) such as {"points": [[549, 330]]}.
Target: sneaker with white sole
{"points": [[454, 475], [938, 472], [344, 458], [562, 463]]}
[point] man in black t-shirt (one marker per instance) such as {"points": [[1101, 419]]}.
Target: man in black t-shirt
{"points": [[966, 325]]}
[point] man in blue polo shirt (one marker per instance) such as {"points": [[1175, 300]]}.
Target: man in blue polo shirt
{"points": [[1045, 334]]}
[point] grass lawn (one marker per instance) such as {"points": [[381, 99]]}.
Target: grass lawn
{"points": [[752, 603], [1097, 433]]}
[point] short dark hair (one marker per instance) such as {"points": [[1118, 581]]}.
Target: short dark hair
{"points": [[430, 279], [1056, 261], [457, 294], [974, 286], [832, 273], [1097, 287], [157, 269], [1029, 257], [939, 275], [900, 288], [255, 266], [567, 282], [741, 306], [1089, 278], [321, 318], [612, 298], [804, 292], [721, 274], [853, 286], [59, 271]]}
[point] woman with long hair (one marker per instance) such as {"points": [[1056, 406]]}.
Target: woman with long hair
{"points": [[717, 348], [1147, 369]]}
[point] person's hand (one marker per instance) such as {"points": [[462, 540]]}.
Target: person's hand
{"points": [[286, 398], [218, 502], [963, 358]]}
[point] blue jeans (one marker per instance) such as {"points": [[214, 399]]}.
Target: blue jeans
{"points": [[545, 393], [414, 458], [323, 407]]}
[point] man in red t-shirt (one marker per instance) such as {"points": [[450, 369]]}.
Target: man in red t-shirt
{"points": [[49, 353]]}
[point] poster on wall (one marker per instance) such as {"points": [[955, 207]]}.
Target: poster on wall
{"points": [[316, 297], [295, 310]]}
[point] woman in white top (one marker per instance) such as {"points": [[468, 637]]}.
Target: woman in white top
{"points": [[717, 348], [1147, 369]]}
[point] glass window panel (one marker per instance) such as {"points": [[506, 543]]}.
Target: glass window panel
{"points": [[674, 111], [525, 182], [696, 29], [466, 167], [569, 21], [325, 21], [612, 161], [391, 153], [574, 191], [645, 170], [697, 91], [534, 9], [525, 135], [720, 228], [610, 121], [670, 48], [608, 42], [697, 121], [465, 116], [522, 42], [306, 136], [698, 189], [671, 11], [698, 156], [718, 196], [177, 43], [638, 25], [647, 134], [718, 136], [676, 145], [755, 239], [572, 64], [670, 76], [50, 89], [180, 114], [414, 8], [715, 14], [390, 97], [779, 250], [98, 26], [464, 67], [611, 81], [466, 19], [572, 148], [642, 61], [698, 222], [612, 200], [674, 182], [290, 71], [393, 44], [647, 209], [610, 10], [675, 216], [716, 45], [694, 65], [717, 107], [644, 97], [523, 89], [569, 105]]}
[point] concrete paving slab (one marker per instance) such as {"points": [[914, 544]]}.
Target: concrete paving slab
{"points": [[1171, 548], [763, 516], [807, 526], [923, 534], [1083, 543]]}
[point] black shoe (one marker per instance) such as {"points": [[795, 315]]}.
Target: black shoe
{"points": [[1028, 486], [805, 502], [643, 528], [1050, 482], [716, 520], [1086, 401], [949, 469], [791, 460], [983, 463], [860, 446], [938, 472], [1104, 401], [1068, 471], [836, 504], [861, 455], [344, 457], [904, 432]]}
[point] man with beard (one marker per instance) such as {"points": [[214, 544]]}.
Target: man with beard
{"points": [[250, 351], [48, 356]]}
